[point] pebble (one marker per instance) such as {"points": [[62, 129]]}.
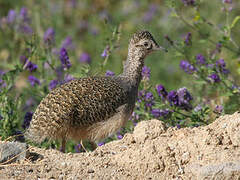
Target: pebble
{"points": [[15, 151], [90, 171]]}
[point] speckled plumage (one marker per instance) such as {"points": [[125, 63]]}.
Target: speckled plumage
{"points": [[92, 108]]}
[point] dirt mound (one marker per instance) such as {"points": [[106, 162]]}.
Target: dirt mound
{"points": [[151, 152]]}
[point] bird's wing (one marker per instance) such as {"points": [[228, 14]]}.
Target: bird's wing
{"points": [[95, 99]]}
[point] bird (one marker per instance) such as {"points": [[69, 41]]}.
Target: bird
{"points": [[95, 107]]}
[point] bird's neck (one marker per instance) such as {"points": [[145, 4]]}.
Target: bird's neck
{"points": [[133, 67]]}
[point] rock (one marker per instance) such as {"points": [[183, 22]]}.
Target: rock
{"points": [[145, 130], [90, 171], [152, 151], [233, 129], [13, 151], [218, 171]]}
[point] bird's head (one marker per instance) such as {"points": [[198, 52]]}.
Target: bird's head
{"points": [[143, 43]]}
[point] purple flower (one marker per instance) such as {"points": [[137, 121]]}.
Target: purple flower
{"points": [[178, 126], [200, 59], [59, 72], [105, 52], [184, 99], [72, 3], [53, 84], [63, 56], [49, 36], [161, 91], [100, 143], [227, 1], [146, 72], [85, 58], [134, 117], [214, 77], [30, 102], [109, 73], [218, 109], [67, 78], [119, 136], [147, 98], [55, 51], [230, 9], [33, 80], [221, 65], [160, 113], [211, 66], [24, 14], [25, 28], [67, 43], [11, 17], [148, 16], [27, 120], [188, 2], [198, 108], [188, 39], [187, 67], [31, 66], [141, 93], [2, 72], [236, 88], [78, 148], [2, 83], [173, 98], [23, 59]]}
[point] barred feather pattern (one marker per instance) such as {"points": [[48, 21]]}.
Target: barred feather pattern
{"points": [[79, 103], [92, 108]]}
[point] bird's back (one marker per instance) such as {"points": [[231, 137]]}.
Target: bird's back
{"points": [[77, 104]]}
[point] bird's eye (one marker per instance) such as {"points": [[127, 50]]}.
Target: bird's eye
{"points": [[145, 44]]}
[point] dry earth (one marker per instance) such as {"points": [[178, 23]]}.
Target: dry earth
{"points": [[151, 152]]}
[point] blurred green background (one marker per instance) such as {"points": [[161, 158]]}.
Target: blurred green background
{"points": [[92, 23]]}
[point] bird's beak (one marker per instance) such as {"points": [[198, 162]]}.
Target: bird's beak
{"points": [[157, 48]]}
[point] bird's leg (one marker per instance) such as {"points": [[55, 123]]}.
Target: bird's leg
{"points": [[62, 149], [81, 142]]}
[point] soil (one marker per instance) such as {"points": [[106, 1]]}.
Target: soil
{"points": [[152, 151]]}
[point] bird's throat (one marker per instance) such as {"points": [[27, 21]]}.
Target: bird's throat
{"points": [[133, 69]]}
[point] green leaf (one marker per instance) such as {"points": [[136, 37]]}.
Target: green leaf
{"points": [[173, 14], [202, 41], [178, 54], [236, 19], [170, 3]]}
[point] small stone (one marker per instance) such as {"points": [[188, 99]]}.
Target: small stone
{"points": [[64, 165], [90, 171], [15, 151], [185, 158]]}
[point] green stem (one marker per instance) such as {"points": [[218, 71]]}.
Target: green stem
{"points": [[178, 112], [201, 35], [191, 117]]}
